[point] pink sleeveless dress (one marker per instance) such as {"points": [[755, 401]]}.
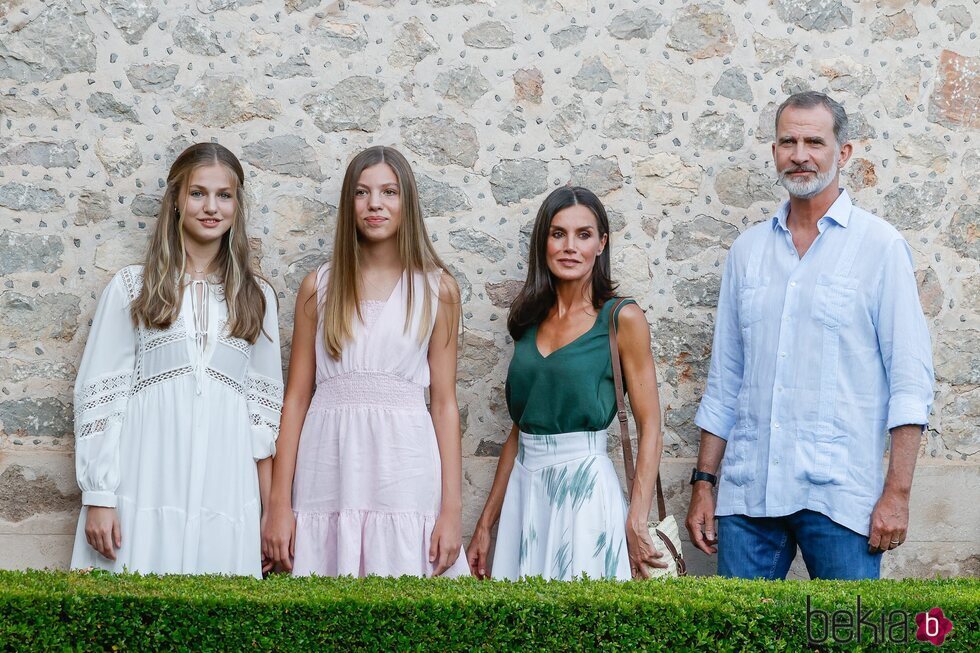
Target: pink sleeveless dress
{"points": [[368, 481]]}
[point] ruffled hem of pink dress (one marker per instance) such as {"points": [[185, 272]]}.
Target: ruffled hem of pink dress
{"points": [[367, 543]]}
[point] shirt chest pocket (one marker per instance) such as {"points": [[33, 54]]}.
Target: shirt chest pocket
{"points": [[751, 293], [833, 302]]}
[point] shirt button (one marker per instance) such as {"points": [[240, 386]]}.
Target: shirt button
{"points": [[779, 389], [782, 354], [793, 283], [776, 425], [775, 462]]}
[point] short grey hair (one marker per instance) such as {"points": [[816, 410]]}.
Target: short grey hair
{"points": [[810, 99]]}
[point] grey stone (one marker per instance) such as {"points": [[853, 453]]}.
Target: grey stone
{"points": [[700, 292], [958, 16], [697, 235], [639, 124], [848, 76], [46, 154], [29, 252], [222, 100], [922, 150], [478, 242], [491, 34], [617, 221], [820, 15], [152, 77], [294, 66], [465, 84], [24, 493], [439, 198], [715, 131], [909, 207], [568, 123], [131, 17], [104, 105], [412, 44], [196, 37], [53, 315], [119, 155], [287, 155], [766, 132], [353, 104], [894, 26], [930, 292], [14, 370], [28, 197], [960, 417], [478, 358], [680, 421], [637, 24], [488, 448], [465, 287], [792, 85], [593, 76], [512, 181], [34, 418], [93, 206], [703, 31], [733, 84], [900, 91], [12, 106], [859, 129], [211, 6], [970, 168], [442, 140], [957, 358], [964, 231], [569, 36], [741, 187], [57, 42], [503, 293], [601, 176], [346, 38], [513, 124], [297, 270], [773, 53], [682, 351], [147, 206]]}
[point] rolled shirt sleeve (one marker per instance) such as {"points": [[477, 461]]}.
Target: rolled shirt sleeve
{"points": [[717, 411], [903, 338]]}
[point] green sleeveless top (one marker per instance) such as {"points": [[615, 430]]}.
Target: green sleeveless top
{"points": [[571, 389]]}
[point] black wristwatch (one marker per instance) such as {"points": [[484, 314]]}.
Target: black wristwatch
{"points": [[703, 476]]}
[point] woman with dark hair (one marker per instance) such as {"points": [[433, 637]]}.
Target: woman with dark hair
{"points": [[561, 510]]}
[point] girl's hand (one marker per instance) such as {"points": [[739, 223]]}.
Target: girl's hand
{"points": [[102, 530], [447, 539], [642, 552], [478, 551], [279, 537]]}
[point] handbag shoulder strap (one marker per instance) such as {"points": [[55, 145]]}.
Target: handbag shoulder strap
{"points": [[624, 425]]}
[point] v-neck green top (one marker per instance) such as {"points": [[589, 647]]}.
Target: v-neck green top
{"points": [[569, 390]]}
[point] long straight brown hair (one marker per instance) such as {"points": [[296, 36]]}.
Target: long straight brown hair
{"points": [[159, 300], [538, 295], [343, 297]]}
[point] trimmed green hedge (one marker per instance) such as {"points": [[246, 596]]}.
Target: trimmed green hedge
{"points": [[98, 611]]}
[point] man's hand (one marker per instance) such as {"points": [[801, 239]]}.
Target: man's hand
{"points": [[889, 521], [701, 518]]}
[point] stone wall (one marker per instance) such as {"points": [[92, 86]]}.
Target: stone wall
{"points": [[664, 108]]}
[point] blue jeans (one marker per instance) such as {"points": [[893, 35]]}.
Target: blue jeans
{"points": [[764, 547]]}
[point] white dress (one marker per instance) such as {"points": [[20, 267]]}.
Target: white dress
{"points": [[169, 424]]}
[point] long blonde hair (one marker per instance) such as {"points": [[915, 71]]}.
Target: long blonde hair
{"points": [[159, 300], [343, 296]]}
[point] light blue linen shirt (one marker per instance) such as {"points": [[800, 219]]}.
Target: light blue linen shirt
{"points": [[814, 359]]}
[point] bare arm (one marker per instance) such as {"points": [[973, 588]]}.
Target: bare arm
{"points": [[640, 375], [479, 548], [701, 513], [277, 536], [890, 518], [443, 345]]}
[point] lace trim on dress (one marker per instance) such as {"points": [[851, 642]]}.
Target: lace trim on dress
{"points": [[132, 276], [143, 384], [227, 380], [160, 337], [102, 391], [265, 392], [226, 339]]}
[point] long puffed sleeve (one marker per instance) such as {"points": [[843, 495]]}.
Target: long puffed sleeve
{"points": [[264, 382], [102, 394]]}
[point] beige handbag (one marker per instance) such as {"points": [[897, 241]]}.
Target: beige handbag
{"points": [[663, 533]]}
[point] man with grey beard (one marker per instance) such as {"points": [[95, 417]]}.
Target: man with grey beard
{"points": [[820, 349]]}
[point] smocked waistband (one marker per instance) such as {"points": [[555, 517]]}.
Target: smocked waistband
{"points": [[536, 451], [368, 389]]}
